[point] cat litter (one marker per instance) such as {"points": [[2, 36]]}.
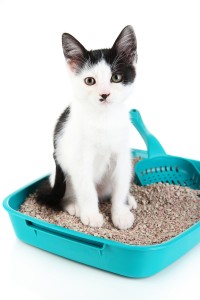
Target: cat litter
{"points": [[163, 212]]}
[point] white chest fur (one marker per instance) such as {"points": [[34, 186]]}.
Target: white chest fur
{"points": [[96, 137]]}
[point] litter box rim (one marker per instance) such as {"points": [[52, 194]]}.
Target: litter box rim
{"points": [[97, 239]]}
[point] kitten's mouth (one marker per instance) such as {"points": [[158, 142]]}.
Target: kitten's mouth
{"points": [[104, 101]]}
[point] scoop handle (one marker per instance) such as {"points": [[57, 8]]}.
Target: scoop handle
{"points": [[154, 147]]}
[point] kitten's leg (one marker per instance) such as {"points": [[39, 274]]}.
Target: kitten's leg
{"points": [[121, 216], [86, 194], [104, 188], [70, 204], [73, 209], [132, 202]]}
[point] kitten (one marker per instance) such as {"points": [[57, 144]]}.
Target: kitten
{"points": [[91, 138]]}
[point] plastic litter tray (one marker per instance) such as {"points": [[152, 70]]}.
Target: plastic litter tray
{"points": [[127, 260]]}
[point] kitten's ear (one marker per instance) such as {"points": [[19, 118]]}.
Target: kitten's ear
{"points": [[126, 44], [73, 51]]}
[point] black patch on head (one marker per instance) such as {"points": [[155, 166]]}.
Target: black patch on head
{"points": [[60, 124], [96, 56], [118, 64], [120, 57]]}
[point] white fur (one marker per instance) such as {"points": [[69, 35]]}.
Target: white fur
{"points": [[93, 149]]}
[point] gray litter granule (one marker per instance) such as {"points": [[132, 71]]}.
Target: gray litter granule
{"points": [[163, 212]]}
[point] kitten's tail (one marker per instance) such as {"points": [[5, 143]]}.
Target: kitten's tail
{"points": [[52, 196]]}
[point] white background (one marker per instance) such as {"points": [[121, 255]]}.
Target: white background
{"points": [[34, 89]]}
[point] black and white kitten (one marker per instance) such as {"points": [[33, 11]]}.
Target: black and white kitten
{"points": [[91, 137]]}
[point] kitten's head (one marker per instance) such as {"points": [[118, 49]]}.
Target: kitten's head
{"points": [[102, 77]]}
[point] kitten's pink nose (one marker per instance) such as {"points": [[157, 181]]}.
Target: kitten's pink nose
{"points": [[104, 97]]}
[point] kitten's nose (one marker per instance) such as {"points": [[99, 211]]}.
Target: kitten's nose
{"points": [[104, 96]]}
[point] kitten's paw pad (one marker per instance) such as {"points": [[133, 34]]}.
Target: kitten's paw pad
{"points": [[92, 219], [72, 209], [132, 202], [123, 219]]}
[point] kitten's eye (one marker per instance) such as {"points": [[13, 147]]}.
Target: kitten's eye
{"points": [[89, 80], [117, 78]]}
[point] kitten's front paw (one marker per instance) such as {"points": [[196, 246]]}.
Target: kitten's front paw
{"points": [[122, 218], [94, 219], [72, 209], [131, 202]]}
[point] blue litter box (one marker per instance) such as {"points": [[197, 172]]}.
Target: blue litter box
{"points": [[127, 260]]}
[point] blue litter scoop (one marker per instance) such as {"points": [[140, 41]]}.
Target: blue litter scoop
{"points": [[160, 167]]}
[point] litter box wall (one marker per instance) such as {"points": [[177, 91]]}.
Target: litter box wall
{"points": [[115, 257], [126, 260]]}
